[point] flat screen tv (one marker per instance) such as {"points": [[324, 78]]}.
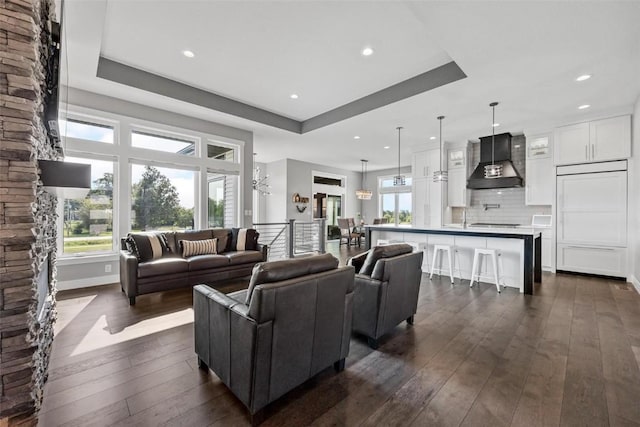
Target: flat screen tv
{"points": [[52, 83]]}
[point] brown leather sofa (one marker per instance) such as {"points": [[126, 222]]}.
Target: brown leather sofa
{"points": [[386, 289], [292, 322], [173, 271]]}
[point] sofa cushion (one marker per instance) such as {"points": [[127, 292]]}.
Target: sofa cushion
{"points": [[244, 239], [243, 257], [276, 271], [193, 235], [379, 252], [147, 246], [204, 262], [163, 266], [224, 238], [190, 248]]}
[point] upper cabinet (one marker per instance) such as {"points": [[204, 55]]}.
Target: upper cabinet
{"points": [[540, 173], [596, 141], [457, 161]]}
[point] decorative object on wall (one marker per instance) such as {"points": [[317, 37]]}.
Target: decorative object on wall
{"points": [[259, 183], [441, 175], [363, 194], [300, 202], [399, 179], [493, 170]]}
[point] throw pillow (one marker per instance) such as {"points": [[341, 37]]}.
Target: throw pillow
{"points": [[199, 247], [244, 239], [147, 246]]}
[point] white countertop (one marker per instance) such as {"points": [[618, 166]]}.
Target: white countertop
{"points": [[519, 231]]}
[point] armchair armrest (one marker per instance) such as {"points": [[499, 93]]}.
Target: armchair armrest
{"points": [[369, 300], [358, 261]]}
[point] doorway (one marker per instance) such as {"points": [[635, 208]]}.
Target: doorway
{"points": [[329, 207]]}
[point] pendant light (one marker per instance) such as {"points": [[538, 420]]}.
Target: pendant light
{"points": [[259, 183], [363, 194], [493, 170], [399, 179], [441, 175]]}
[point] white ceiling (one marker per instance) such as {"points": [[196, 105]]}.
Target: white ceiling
{"points": [[526, 55]]}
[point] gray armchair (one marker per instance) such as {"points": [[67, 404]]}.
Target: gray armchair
{"points": [[292, 322], [386, 289]]}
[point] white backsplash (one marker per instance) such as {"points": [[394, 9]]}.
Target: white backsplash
{"points": [[512, 208]]}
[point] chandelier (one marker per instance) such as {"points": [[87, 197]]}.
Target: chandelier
{"points": [[441, 175], [259, 183], [493, 170], [399, 179], [363, 194]]}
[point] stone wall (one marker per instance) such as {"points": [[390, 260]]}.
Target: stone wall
{"points": [[27, 213]]}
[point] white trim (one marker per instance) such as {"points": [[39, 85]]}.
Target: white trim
{"points": [[88, 282], [636, 284]]}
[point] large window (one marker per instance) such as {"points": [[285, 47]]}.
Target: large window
{"points": [[145, 176], [161, 198], [221, 195], [395, 201], [88, 220]]}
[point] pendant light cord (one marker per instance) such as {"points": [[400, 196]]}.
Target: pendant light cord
{"points": [[493, 132], [399, 127]]}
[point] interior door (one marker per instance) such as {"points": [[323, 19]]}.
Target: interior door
{"points": [[592, 209]]}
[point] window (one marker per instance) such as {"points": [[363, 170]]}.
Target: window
{"points": [[222, 191], [88, 221], [220, 152], [85, 130], [395, 201], [167, 144], [162, 198]]}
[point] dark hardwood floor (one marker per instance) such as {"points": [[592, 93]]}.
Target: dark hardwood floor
{"points": [[568, 355]]}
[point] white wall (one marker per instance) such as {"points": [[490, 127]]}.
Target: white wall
{"points": [[634, 200], [275, 207]]}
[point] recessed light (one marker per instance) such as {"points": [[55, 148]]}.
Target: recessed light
{"points": [[188, 53], [367, 51], [495, 125], [516, 146], [356, 137], [583, 77], [432, 138], [584, 106], [293, 96], [386, 147]]}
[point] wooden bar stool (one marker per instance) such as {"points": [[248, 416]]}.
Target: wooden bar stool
{"points": [[496, 261], [437, 249]]}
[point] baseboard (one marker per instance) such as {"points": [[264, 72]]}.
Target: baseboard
{"points": [[88, 282], [636, 284]]}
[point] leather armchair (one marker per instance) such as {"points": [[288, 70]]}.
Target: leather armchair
{"points": [[293, 322], [386, 290]]}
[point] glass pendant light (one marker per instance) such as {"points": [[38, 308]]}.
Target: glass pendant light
{"points": [[363, 194], [493, 170], [399, 179], [441, 175]]}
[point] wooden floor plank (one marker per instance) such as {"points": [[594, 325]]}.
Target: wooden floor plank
{"points": [[568, 355]]}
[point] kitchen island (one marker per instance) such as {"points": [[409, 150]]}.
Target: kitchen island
{"points": [[520, 249]]}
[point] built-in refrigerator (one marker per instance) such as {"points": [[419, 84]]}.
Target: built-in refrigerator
{"points": [[592, 218]]}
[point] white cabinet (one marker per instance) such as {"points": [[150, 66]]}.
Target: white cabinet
{"points": [[548, 254], [610, 138], [592, 260], [427, 196], [458, 195], [540, 174], [596, 141]]}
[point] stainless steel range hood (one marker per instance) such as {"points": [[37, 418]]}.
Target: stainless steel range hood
{"points": [[502, 156]]}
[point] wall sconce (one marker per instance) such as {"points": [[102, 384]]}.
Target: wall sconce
{"points": [[300, 202]]}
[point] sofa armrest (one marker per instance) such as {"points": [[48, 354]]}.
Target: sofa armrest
{"points": [[128, 273], [264, 249]]}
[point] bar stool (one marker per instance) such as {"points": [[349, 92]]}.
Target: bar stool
{"points": [[496, 261], [421, 247], [437, 249]]}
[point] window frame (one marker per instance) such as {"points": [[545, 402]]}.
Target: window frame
{"points": [[396, 191]]}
